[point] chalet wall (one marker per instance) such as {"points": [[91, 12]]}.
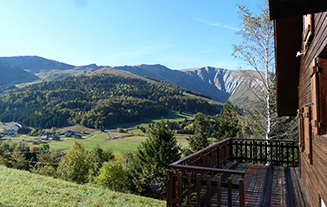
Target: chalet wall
{"points": [[314, 176]]}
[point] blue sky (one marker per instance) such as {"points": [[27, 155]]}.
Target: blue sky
{"points": [[176, 33]]}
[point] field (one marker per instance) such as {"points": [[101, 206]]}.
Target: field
{"points": [[22, 188], [118, 144]]}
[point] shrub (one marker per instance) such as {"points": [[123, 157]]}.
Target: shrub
{"points": [[113, 176]]}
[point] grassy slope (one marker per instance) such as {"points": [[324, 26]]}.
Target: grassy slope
{"points": [[117, 145], [21, 188]]}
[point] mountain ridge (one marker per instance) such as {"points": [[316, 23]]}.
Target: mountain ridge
{"points": [[218, 83]]}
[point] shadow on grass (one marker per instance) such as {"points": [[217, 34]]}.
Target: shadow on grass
{"points": [[172, 116]]}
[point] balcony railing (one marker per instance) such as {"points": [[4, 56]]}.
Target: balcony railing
{"points": [[200, 179]]}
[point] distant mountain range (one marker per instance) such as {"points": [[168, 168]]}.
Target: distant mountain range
{"points": [[11, 74], [219, 84]]}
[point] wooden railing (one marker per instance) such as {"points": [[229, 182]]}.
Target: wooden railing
{"points": [[200, 180], [272, 152]]}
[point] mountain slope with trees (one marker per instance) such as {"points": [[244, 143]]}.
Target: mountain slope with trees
{"points": [[94, 101], [217, 83]]}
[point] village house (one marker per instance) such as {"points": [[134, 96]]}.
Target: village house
{"points": [[16, 127], [70, 133], [45, 138]]}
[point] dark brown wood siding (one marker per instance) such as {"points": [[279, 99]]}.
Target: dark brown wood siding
{"points": [[314, 176]]}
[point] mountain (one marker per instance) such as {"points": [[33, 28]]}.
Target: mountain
{"points": [[95, 100], [13, 75], [219, 84], [35, 64], [57, 74]]}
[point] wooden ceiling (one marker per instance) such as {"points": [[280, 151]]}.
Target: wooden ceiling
{"points": [[291, 8]]}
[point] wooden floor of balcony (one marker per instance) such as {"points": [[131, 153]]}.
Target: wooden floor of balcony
{"points": [[268, 186]]}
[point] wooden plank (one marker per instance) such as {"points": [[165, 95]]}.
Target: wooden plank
{"points": [[208, 191], [267, 189], [290, 195]]}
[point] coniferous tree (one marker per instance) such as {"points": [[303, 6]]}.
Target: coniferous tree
{"points": [[152, 159], [228, 121], [200, 138]]}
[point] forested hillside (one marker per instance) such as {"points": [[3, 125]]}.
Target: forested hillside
{"points": [[94, 101]]}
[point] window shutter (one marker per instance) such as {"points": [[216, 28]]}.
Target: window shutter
{"points": [[308, 31], [300, 127], [322, 83], [307, 133], [314, 98]]}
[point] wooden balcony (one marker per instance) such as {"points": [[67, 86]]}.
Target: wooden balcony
{"points": [[238, 172]]}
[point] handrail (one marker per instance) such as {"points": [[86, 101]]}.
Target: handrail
{"points": [[216, 170], [201, 151], [263, 140]]}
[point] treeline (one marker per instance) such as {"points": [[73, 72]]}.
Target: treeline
{"points": [[94, 101]]}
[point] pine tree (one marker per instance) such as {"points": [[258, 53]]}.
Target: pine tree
{"points": [[152, 159], [228, 121], [200, 138]]}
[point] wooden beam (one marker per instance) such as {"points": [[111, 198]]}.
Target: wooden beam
{"points": [[291, 8]]}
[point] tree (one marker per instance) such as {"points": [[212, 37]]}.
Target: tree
{"points": [[47, 163], [152, 159], [74, 166], [96, 158], [200, 138], [113, 176], [228, 121], [257, 52]]}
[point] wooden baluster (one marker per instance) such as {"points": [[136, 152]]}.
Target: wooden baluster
{"points": [[242, 192], [293, 155], [266, 149], [272, 148], [169, 188], [208, 190], [189, 182], [246, 150], [218, 156], [287, 154], [251, 151], [230, 192], [180, 190], [281, 156], [198, 189], [219, 191], [236, 150], [261, 159]]}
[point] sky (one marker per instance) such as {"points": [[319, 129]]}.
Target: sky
{"points": [[179, 34]]}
